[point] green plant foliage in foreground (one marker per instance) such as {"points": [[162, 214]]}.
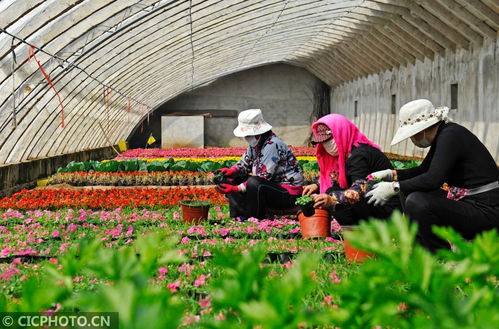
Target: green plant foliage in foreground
{"points": [[407, 287], [404, 286]]}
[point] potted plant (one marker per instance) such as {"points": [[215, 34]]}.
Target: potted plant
{"points": [[306, 204], [353, 254], [194, 211], [314, 223]]}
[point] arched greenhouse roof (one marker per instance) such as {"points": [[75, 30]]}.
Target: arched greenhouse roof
{"points": [[113, 62]]}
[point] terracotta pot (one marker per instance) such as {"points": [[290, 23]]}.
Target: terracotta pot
{"points": [[353, 254], [317, 225], [194, 211]]}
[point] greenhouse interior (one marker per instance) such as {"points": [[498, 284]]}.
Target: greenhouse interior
{"points": [[249, 164]]}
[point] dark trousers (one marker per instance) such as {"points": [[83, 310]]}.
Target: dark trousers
{"points": [[352, 215], [468, 216], [260, 195]]}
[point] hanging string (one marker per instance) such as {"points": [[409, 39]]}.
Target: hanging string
{"points": [[69, 64], [192, 45], [31, 54], [14, 62]]}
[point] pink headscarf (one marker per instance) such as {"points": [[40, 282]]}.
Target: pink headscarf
{"points": [[346, 135]]}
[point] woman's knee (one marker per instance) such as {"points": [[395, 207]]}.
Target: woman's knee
{"points": [[252, 183], [417, 203]]}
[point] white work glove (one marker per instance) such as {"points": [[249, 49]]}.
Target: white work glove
{"points": [[384, 175], [382, 192]]}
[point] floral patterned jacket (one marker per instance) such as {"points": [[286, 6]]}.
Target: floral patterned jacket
{"points": [[274, 162]]}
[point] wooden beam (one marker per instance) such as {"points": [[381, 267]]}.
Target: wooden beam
{"points": [[450, 19], [381, 37], [492, 4], [420, 36], [430, 31], [475, 23], [439, 25], [358, 58], [344, 71], [409, 39], [374, 56], [482, 11], [401, 24], [412, 19], [333, 68], [342, 61], [396, 59], [350, 60]]}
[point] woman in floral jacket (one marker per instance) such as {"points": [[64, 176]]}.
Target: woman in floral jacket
{"points": [[268, 174]]}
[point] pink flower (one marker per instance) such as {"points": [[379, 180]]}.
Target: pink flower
{"points": [[78, 278], [185, 240], [200, 281], [334, 277], [55, 233], [173, 286], [220, 316], [129, 231], [204, 303], [163, 270], [71, 228]]}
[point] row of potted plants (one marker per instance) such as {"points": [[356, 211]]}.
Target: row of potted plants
{"points": [[188, 164], [167, 178]]}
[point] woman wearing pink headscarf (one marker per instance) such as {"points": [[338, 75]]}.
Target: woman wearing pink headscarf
{"points": [[346, 157]]}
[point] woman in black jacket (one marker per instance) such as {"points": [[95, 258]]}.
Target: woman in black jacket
{"points": [[346, 157], [456, 157]]}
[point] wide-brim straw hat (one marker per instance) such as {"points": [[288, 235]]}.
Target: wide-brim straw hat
{"points": [[251, 123], [416, 116]]}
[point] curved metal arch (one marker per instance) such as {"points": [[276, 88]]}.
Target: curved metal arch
{"points": [[228, 36]]}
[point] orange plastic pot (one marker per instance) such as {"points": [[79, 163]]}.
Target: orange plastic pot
{"points": [[353, 254], [315, 226], [194, 212]]}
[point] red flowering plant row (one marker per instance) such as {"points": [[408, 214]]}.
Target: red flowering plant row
{"points": [[212, 152], [137, 178], [108, 198]]}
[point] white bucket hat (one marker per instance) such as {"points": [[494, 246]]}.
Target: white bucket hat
{"points": [[251, 123], [416, 116]]}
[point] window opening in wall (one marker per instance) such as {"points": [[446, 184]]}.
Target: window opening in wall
{"points": [[355, 109], [453, 95], [393, 105]]}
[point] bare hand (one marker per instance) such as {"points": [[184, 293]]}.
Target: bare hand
{"points": [[309, 189], [322, 200]]}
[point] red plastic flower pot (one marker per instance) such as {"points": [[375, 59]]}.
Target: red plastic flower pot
{"points": [[353, 254], [315, 226], [194, 211]]}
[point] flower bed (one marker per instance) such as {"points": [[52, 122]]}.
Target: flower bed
{"points": [[108, 198]]}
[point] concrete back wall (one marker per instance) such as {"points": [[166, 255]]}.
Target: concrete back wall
{"points": [[476, 72], [283, 92]]}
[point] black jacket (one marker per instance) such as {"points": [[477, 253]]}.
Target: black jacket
{"points": [[456, 157]]}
